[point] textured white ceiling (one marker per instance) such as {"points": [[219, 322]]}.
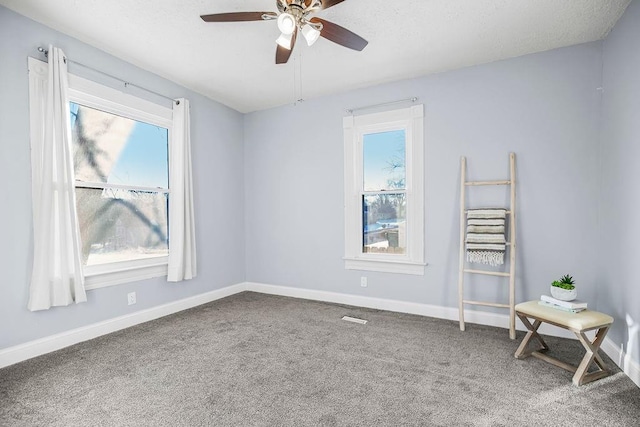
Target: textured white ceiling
{"points": [[233, 63]]}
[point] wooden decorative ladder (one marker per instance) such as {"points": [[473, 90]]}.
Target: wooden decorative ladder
{"points": [[511, 246]]}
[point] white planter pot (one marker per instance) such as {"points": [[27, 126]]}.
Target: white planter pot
{"points": [[564, 294]]}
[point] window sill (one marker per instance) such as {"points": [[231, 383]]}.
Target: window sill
{"points": [[117, 275], [385, 266]]}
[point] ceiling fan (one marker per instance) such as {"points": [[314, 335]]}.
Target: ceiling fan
{"points": [[294, 16]]}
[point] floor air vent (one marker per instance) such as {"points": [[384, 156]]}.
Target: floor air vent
{"points": [[354, 320]]}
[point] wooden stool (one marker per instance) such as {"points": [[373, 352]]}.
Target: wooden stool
{"points": [[578, 323]]}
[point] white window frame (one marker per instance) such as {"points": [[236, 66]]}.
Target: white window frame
{"points": [[411, 120], [104, 98]]}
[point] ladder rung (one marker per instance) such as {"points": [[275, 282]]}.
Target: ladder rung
{"points": [[488, 304], [488, 273], [507, 243], [507, 212], [487, 183]]}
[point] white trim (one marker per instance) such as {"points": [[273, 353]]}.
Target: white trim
{"points": [[105, 98], [127, 275], [126, 265], [618, 355], [428, 310], [119, 272], [629, 366], [385, 266], [38, 67], [412, 121], [11, 355]]}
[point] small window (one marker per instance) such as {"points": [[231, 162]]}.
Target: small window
{"points": [[384, 219], [384, 199]]}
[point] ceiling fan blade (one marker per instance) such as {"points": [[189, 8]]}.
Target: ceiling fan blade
{"points": [[326, 4], [237, 16], [283, 54], [340, 35]]}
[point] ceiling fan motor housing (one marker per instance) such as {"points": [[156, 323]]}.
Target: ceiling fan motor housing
{"points": [[299, 11]]}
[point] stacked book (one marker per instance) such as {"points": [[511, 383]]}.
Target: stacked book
{"points": [[574, 306]]}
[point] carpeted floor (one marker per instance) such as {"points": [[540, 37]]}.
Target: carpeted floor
{"points": [[259, 360]]}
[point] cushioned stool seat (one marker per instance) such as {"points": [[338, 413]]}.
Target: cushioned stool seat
{"points": [[578, 323]]}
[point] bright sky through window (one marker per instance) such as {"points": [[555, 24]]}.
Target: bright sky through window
{"points": [[142, 156], [384, 160]]}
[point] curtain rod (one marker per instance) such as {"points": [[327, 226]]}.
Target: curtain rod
{"points": [[366, 107], [126, 83]]}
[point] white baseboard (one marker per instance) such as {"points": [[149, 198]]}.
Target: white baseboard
{"points": [[618, 355], [440, 312], [31, 349], [630, 367], [11, 355]]}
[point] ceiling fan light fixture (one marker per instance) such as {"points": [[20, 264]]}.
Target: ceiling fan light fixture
{"points": [[286, 23], [284, 40], [310, 34], [293, 16]]}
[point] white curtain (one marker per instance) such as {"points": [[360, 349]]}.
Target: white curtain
{"points": [[182, 237], [56, 277]]}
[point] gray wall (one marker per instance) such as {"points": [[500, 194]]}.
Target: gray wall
{"points": [[619, 284], [217, 138], [543, 107]]}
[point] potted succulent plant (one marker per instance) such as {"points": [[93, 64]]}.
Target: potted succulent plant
{"points": [[564, 289]]}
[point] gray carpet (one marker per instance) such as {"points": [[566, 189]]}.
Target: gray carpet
{"points": [[259, 360]]}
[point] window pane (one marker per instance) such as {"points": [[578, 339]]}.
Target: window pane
{"points": [[120, 225], [118, 150], [384, 223], [384, 160]]}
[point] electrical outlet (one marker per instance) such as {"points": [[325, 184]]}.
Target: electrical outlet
{"points": [[131, 298], [363, 281]]}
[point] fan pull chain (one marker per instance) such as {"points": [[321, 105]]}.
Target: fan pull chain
{"points": [[297, 79], [300, 98], [294, 81]]}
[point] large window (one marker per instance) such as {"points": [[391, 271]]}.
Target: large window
{"points": [[384, 201], [121, 165], [121, 146], [122, 186]]}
